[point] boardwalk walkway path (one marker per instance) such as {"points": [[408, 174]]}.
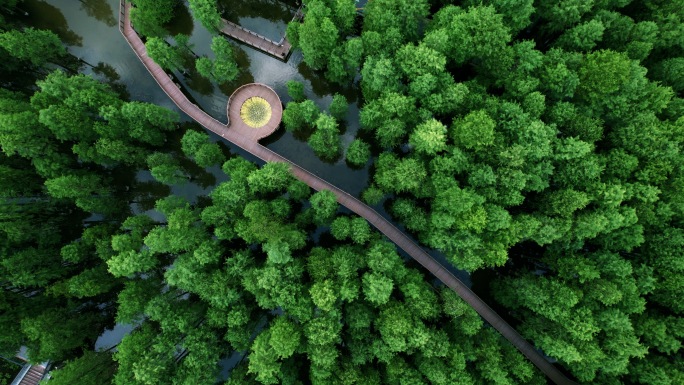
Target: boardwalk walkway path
{"points": [[279, 49], [390, 231]]}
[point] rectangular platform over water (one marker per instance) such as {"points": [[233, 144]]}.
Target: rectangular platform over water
{"points": [[280, 49]]}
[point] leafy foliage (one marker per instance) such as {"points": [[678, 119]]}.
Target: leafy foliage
{"points": [[223, 68], [539, 135]]}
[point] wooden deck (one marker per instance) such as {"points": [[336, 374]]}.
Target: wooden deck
{"points": [[395, 235], [280, 49], [30, 375], [245, 92]]}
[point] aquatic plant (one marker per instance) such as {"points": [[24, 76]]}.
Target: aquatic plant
{"points": [[255, 112]]}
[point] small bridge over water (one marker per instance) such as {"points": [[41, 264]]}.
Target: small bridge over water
{"points": [[280, 49]]}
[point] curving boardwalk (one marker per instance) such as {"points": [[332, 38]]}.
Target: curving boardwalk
{"points": [[353, 204]]}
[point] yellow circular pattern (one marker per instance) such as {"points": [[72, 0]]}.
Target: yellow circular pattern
{"points": [[255, 112]]}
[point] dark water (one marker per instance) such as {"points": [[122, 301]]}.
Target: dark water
{"points": [[89, 27]]}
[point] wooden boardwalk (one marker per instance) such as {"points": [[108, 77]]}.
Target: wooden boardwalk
{"points": [[280, 49], [395, 235], [30, 375], [235, 104]]}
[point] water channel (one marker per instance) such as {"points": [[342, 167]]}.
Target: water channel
{"points": [[89, 28]]}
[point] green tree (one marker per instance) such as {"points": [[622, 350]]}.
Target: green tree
{"points": [[163, 54], [670, 72], [516, 14], [325, 141], [324, 204], [33, 45], [582, 37], [207, 13], [223, 68], [358, 152], [51, 333], [560, 16], [475, 130], [196, 145], [377, 288], [298, 116], [396, 175], [389, 117], [345, 61], [92, 368], [360, 231], [406, 16], [285, 337], [270, 178], [338, 107], [429, 137], [149, 16], [323, 295], [292, 33], [166, 169], [340, 228], [344, 13], [379, 76], [372, 195], [296, 90], [75, 186], [480, 34], [317, 35]]}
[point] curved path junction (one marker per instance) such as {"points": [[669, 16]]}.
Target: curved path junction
{"points": [[390, 231]]}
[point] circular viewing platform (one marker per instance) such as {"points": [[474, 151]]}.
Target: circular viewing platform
{"points": [[254, 110]]}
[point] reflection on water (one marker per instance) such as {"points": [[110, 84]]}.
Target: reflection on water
{"points": [[107, 71], [181, 22], [42, 15], [198, 83], [100, 10], [272, 10], [319, 85]]}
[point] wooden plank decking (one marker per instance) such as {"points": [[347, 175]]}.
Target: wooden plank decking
{"points": [[30, 375], [280, 49], [250, 145], [235, 104]]}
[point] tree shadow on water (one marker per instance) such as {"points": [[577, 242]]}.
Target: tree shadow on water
{"points": [[304, 133], [319, 85], [193, 79], [198, 83], [112, 77], [100, 10], [107, 71], [275, 11], [244, 77], [42, 15], [274, 137], [181, 22], [198, 175], [149, 192]]}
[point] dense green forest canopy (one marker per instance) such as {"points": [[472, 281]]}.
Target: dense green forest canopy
{"points": [[539, 141], [543, 138]]}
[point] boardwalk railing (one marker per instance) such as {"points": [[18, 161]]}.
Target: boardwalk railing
{"points": [[280, 49], [238, 26], [344, 198], [299, 14]]}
